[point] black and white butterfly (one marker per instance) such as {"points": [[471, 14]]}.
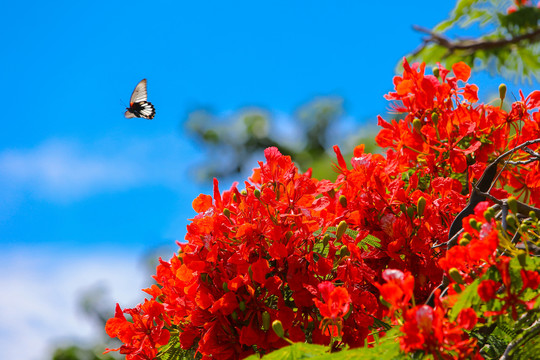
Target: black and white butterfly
{"points": [[138, 106]]}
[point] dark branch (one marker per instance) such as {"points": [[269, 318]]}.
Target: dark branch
{"points": [[472, 45]]}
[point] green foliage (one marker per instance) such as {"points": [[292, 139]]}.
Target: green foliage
{"points": [[387, 349], [74, 352], [505, 42], [173, 351]]}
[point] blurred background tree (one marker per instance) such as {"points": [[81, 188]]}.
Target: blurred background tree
{"points": [[507, 44], [501, 37]]}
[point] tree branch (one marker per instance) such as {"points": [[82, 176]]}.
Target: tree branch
{"points": [[472, 45]]}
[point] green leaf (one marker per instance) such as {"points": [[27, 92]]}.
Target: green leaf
{"points": [[467, 298], [294, 352]]}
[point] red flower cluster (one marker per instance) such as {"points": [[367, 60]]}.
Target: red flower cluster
{"points": [[425, 328], [143, 335], [272, 250]]}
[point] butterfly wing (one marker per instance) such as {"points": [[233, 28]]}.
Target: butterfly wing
{"points": [[128, 114], [147, 110], [139, 94]]}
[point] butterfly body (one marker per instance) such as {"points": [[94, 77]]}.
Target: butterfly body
{"points": [[138, 104]]}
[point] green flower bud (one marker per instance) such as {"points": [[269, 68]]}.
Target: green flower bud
{"points": [[522, 257], [435, 118], [457, 288], [227, 213], [342, 227], [257, 193], [344, 251], [242, 306], [502, 91], [225, 287], [474, 224], [467, 236], [326, 239], [489, 214], [234, 197], [417, 125], [250, 273], [435, 71], [410, 212], [512, 204], [511, 220], [464, 242], [421, 205], [532, 215], [265, 321], [343, 200], [278, 328], [243, 192], [234, 315], [403, 208], [455, 275]]}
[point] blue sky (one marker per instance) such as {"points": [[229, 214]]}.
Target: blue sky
{"points": [[85, 192]]}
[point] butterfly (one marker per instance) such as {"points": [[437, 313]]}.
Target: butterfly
{"points": [[138, 106]]}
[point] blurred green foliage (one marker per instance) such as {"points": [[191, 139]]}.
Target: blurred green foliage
{"points": [[234, 142]]}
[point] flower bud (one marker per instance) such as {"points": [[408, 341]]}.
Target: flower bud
{"points": [[455, 275], [457, 288], [522, 257], [243, 192], [511, 220], [474, 224], [234, 197], [512, 204], [265, 321], [532, 215], [225, 287], [342, 227], [227, 213], [489, 214], [435, 71], [257, 193], [421, 205], [410, 212], [502, 91], [434, 117], [343, 200], [417, 125], [234, 315], [278, 328], [344, 251], [464, 242], [326, 239], [242, 306]]}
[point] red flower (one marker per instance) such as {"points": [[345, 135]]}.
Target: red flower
{"points": [[487, 290], [335, 304]]}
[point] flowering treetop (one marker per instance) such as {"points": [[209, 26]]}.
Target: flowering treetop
{"points": [[332, 263]]}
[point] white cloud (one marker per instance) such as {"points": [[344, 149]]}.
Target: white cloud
{"points": [[64, 170], [41, 294]]}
